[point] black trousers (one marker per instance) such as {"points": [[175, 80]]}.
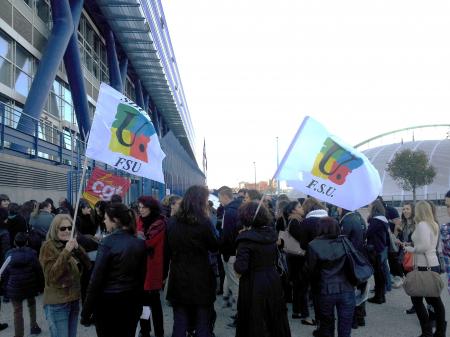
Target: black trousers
{"points": [[394, 264], [152, 299], [422, 313], [117, 315], [379, 276]]}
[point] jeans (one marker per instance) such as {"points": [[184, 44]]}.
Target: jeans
{"points": [[62, 318], [345, 306], [231, 283], [18, 315], [181, 322]]}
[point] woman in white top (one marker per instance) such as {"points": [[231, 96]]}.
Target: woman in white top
{"points": [[424, 239]]}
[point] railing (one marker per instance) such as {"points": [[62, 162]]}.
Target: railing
{"points": [[41, 140]]}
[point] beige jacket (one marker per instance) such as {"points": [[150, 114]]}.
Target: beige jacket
{"points": [[62, 272]]}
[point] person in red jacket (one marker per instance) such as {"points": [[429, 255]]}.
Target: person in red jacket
{"points": [[153, 227]]}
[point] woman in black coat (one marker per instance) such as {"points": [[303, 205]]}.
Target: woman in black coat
{"points": [[377, 241], [113, 298], [192, 283], [261, 307]]}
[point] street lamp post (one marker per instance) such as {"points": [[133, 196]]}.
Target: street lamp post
{"points": [[278, 164], [254, 166]]}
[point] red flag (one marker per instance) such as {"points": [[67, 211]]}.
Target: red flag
{"points": [[103, 185]]}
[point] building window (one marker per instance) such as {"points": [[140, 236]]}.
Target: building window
{"points": [[6, 54], [93, 51], [43, 11], [23, 71]]}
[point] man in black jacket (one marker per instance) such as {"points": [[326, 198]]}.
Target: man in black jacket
{"points": [[230, 231]]}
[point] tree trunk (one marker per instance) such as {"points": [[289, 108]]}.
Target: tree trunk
{"points": [[414, 194]]}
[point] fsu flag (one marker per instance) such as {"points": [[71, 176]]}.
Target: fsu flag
{"points": [[321, 165], [123, 136], [103, 185]]}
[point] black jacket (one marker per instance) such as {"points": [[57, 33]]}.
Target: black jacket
{"points": [[5, 243], [23, 277], [119, 267], [326, 266], [354, 227], [85, 224], [306, 231], [261, 306], [191, 280], [230, 229], [15, 224], [377, 233]]}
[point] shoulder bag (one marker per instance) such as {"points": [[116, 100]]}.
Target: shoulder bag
{"points": [[291, 245], [359, 268], [426, 283]]}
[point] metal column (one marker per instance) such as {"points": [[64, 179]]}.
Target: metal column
{"points": [[115, 78], [72, 62], [52, 56]]}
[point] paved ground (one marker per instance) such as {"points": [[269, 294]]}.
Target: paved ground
{"points": [[387, 320]]}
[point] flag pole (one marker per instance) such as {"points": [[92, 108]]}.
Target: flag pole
{"points": [[79, 190], [259, 205]]}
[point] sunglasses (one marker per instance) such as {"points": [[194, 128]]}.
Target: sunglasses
{"points": [[64, 228]]}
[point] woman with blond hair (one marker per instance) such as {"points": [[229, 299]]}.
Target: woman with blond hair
{"points": [[63, 262], [425, 240]]}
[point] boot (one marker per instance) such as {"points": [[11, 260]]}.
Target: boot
{"points": [[440, 330], [427, 330], [377, 299], [145, 328]]}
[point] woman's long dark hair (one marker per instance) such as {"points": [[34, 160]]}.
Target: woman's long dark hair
{"points": [[122, 216], [194, 206], [289, 209]]}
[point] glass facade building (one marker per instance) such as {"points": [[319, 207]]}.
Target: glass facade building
{"points": [[25, 26]]}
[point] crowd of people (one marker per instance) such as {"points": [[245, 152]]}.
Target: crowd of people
{"points": [[108, 265]]}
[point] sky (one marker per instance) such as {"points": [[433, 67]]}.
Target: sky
{"points": [[253, 69]]}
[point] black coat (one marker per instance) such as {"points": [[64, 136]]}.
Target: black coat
{"points": [[191, 279], [377, 234], [326, 266], [261, 306], [15, 225], [354, 227], [23, 277], [120, 267], [306, 231], [85, 224], [5, 243], [230, 229]]}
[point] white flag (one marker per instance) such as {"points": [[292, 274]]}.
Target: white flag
{"points": [[323, 166], [123, 136]]}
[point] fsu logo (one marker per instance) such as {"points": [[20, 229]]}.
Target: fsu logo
{"points": [[335, 163], [130, 133]]}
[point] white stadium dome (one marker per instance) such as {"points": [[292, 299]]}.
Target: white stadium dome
{"points": [[438, 152]]}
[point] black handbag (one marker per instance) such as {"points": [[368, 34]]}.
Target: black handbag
{"points": [[359, 268]]}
